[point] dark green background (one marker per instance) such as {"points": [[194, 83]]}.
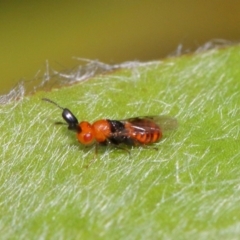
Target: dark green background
{"points": [[32, 32]]}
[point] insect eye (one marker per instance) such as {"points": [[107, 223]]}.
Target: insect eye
{"points": [[88, 137]]}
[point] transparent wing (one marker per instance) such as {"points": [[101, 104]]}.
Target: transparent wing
{"points": [[140, 130], [149, 123]]}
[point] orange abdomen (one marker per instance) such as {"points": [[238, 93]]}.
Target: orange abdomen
{"points": [[144, 131]]}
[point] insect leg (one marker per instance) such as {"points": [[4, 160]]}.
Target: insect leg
{"points": [[94, 158], [124, 149], [149, 147], [120, 147]]}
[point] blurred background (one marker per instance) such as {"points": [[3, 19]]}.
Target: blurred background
{"points": [[32, 32]]}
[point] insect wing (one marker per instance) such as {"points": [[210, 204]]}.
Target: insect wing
{"points": [[165, 123], [149, 123], [145, 130], [140, 130]]}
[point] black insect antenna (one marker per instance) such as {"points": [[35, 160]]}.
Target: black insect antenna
{"points": [[67, 115], [49, 100]]}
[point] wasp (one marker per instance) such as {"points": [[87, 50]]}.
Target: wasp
{"points": [[137, 131]]}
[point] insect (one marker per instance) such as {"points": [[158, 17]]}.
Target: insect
{"points": [[136, 131]]}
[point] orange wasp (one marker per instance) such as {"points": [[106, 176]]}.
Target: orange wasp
{"points": [[132, 131]]}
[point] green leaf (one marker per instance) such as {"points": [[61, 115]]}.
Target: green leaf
{"points": [[187, 189]]}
